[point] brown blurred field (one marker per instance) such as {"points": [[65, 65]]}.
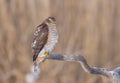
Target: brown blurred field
{"points": [[90, 27]]}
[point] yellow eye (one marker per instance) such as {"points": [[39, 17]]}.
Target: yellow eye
{"points": [[51, 21]]}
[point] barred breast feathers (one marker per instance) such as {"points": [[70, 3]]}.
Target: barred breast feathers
{"points": [[52, 38]]}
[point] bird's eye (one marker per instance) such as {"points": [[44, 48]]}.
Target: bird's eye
{"points": [[51, 21]]}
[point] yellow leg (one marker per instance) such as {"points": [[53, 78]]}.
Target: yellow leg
{"points": [[46, 54]]}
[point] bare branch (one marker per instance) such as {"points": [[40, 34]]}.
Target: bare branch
{"points": [[82, 61], [114, 74]]}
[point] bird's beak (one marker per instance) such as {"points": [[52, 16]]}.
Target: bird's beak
{"points": [[52, 21]]}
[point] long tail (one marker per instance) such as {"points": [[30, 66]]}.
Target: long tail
{"points": [[36, 66]]}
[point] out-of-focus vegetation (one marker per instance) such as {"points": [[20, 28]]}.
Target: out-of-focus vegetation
{"points": [[90, 27]]}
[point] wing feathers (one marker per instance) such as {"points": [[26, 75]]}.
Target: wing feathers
{"points": [[40, 39], [52, 38]]}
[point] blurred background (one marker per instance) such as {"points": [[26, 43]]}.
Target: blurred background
{"points": [[89, 27]]}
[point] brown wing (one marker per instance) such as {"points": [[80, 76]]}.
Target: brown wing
{"points": [[40, 39]]}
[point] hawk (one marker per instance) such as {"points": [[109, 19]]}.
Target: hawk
{"points": [[45, 38]]}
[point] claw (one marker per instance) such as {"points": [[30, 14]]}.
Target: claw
{"points": [[46, 54]]}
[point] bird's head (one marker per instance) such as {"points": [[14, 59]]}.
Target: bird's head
{"points": [[50, 20]]}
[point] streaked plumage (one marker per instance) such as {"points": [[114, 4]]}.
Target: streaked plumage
{"points": [[45, 38]]}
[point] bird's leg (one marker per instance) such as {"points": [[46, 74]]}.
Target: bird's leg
{"points": [[42, 59], [46, 54]]}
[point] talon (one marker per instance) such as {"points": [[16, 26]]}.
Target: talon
{"points": [[46, 54]]}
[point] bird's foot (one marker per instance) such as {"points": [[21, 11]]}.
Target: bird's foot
{"points": [[46, 54]]}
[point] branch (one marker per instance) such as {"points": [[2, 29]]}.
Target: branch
{"points": [[80, 59]]}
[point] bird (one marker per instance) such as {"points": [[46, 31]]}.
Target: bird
{"points": [[45, 38]]}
